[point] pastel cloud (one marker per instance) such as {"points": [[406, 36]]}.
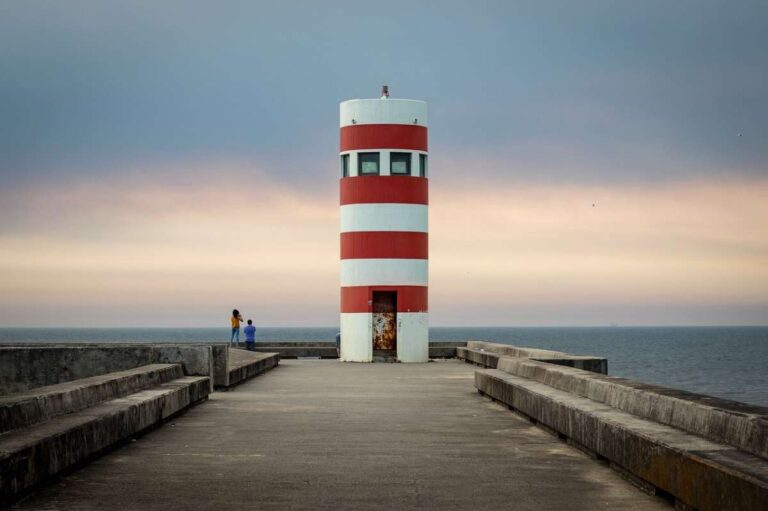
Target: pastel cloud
{"points": [[184, 248]]}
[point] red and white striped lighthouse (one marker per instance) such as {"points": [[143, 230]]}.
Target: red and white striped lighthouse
{"points": [[384, 242]]}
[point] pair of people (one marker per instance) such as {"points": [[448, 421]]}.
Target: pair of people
{"points": [[250, 331]]}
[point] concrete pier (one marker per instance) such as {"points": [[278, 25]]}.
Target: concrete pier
{"points": [[325, 435]]}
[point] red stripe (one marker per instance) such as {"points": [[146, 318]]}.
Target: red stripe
{"points": [[384, 245], [409, 298], [383, 136], [384, 189]]}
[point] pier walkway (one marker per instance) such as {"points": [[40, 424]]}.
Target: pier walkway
{"points": [[317, 434]]}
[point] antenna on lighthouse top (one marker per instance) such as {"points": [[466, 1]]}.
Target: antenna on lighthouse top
{"points": [[385, 92]]}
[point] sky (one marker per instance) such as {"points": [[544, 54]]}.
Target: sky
{"points": [[591, 162]]}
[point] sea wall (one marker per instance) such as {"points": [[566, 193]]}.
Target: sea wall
{"points": [[487, 354], [700, 451], [737, 424], [325, 349], [27, 366]]}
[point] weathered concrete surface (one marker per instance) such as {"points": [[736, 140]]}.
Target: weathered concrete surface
{"points": [[480, 357], [43, 403], [700, 473], [444, 349], [299, 349], [30, 455], [328, 435], [324, 349], [737, 424], [585, 362], [220, 354], [244, 365], [196, 359], [27, 366]]}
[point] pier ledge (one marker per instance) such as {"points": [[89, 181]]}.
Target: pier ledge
{"points": [[527, 429]]}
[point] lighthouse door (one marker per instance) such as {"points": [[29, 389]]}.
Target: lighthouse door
{"points": [[384, 321]]}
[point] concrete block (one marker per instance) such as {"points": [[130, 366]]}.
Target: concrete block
{"points": [[323, 349], [220, 354], [737, 424], [585, 362], [30, 455], [478, 357], [444, 349], [700, 473], [297, 350], [24, 367], [246, 364], [43, 403]]}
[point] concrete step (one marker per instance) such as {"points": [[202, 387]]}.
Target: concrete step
{"points": [[585, 362], [697, 472], [31, 455], [740, 425], [478, 357], [42, 403], [244, 365]]}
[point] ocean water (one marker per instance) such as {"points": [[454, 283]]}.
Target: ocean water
{"points": [[728, 362]]}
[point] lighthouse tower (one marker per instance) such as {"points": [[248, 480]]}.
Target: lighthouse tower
{"points": [[384, 242]]}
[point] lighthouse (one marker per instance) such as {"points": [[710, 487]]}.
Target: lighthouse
{"points": [[384, 235]]}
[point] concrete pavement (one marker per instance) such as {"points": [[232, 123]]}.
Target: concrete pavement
{"points": [[329, 435]]}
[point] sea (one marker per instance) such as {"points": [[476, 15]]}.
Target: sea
{"points": [[727, 362]]}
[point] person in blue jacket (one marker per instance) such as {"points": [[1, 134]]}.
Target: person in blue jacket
{"points": [[250, 336]]}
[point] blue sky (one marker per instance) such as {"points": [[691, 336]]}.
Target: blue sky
{"points": [[629, 99]]}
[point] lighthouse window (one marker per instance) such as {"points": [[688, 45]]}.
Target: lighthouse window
{"points": [[400, 164], [423, 165], [368, 164], [344, 165]]}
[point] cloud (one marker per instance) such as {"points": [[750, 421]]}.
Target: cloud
{"points": [[621, 91], [179, 250]]}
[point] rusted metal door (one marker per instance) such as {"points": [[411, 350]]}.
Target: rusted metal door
{"points": [[384, 320]]}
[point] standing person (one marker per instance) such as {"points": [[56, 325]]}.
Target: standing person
{"points": [[235, 321], [250, 336]]}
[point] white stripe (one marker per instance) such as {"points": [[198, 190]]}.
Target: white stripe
{"points": [[412, 337], [384, 217], [383, 111], [384, 272], [356, 337]]}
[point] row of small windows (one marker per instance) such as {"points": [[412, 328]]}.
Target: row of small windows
{"points": [[369, 164]]}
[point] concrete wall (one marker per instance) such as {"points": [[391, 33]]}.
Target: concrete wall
{"points": [[24, 367], [707, 453], [27, 460], [445, 349], [737, 424], [221, 362], [481, 358], [325, 349], [695, 472], [246, 364], [586, 362]]}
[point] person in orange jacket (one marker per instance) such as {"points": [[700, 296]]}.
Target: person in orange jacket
{"points": [[235, 321]]}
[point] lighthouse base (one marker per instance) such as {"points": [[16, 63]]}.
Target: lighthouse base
{"points": [[357, 337]]}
